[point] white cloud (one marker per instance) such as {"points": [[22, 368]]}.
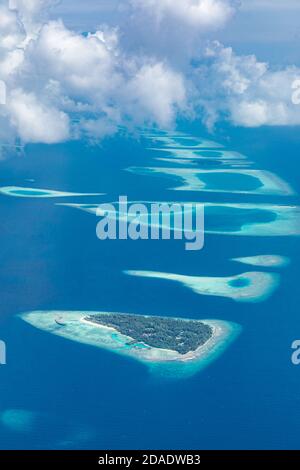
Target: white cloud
{"points": [[32, 13], [174, 30], [61, 84], [36, 121], [206, 14], [55, 73], [11, 31], [156, 91], [84, 66], [244, 90]]}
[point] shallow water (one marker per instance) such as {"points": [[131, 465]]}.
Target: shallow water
{"points": [[57, 393]]}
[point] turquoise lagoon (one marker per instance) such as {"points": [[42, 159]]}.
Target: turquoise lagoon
{"points": [[246, 287], [231, 181]]}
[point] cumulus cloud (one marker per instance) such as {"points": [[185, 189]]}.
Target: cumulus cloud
{"points": [[61, 84], [54, 75], [36, 121], [155, 90], [11, 31], [174, 29], [202, 14], [32, 13], [243, 90]]}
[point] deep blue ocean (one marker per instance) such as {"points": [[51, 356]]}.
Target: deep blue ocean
{"points": [[56, 393]]}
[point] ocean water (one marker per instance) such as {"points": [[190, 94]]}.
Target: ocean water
{"points": [[56, 393]]}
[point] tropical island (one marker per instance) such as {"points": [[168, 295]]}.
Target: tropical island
{"points": [[157, 332], [170, 347]]}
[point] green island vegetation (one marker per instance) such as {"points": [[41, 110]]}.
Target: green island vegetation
{"points": [[157, 332]]}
